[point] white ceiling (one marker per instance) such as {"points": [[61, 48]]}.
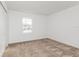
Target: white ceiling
{"points": [[40, 7]]}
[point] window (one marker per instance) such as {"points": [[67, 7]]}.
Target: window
{"points": [[27, 25]]}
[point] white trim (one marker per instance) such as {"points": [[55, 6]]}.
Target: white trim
{"points": [[3, 4], [64, 42]]}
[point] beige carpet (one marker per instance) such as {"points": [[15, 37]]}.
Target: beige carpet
{"points": [[41, 48]]}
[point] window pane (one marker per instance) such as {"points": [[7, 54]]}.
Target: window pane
{"points": [[27, 25]]}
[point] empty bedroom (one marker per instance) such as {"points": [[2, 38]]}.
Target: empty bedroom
{"points": [[39, 28]]}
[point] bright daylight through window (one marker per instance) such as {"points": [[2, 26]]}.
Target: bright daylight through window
{"points": [[27, 25]]}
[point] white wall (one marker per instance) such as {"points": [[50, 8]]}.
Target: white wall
{"points": [[3, 30], [64, 26], [15, 27]]}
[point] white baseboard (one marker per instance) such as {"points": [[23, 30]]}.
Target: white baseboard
{"points": [[33, 38], [53, 38], [2, 51], [64, 41]]}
